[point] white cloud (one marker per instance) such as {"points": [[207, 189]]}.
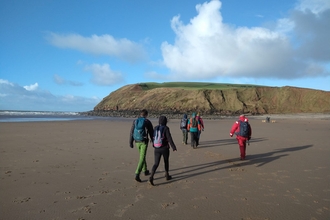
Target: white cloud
{"points": [[16, 97], [207, 48], [103, 75], [2, 81], [31, 87], [60, 81], [315, 6], [312, 30], [100, 45]]}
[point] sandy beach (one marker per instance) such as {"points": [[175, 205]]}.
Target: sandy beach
{"points": [[85, 170]]}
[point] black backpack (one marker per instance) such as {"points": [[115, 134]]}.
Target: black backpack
{"points": [[244, 129]]}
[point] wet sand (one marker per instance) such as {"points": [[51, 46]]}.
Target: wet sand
{"points": [[85, 170]]}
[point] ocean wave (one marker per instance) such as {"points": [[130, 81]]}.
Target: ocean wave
{"points": [[36, 113]]}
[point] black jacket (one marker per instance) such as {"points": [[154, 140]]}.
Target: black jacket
{"points": [[149, 129]]}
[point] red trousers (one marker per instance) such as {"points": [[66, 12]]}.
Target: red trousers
{"points": [[242, 145]]}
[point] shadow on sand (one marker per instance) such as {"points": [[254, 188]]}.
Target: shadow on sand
{"points": [[259, 159], [228, 141]]}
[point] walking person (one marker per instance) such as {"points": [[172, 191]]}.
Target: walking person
{"points": [[140, 130], [243, 131], [201, 122], [183, 127], [162, 142], [194, 128]]}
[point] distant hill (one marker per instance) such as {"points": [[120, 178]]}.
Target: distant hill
{"points": [[215, 98]]}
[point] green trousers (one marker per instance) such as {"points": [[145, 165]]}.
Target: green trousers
{"points": [[142, 165]]}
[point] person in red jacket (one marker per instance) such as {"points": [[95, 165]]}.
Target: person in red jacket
{"points": [[243, 132]]}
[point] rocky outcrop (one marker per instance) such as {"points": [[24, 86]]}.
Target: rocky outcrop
{"points": [[229, 101]]}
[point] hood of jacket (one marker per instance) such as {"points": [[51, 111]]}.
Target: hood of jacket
{"points": [[243, 118], [185, 116], [162, 120]]}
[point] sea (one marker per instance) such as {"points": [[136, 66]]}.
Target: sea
{"points": [[34, 116]]}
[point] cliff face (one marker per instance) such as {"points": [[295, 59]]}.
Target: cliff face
{"points": [[252, 100]]}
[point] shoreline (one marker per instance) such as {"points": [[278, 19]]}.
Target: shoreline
{"points": [[135, 114]]}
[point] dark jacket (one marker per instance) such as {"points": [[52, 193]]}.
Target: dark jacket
{"points": [[149, 129], [168, 141]]}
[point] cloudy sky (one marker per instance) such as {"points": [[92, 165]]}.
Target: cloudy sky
{"points": [[68, 55]]}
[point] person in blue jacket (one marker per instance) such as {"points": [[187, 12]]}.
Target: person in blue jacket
{"points": [[194, 128]]}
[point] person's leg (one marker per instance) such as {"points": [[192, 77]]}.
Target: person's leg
{"points": [[144, 164], [166, 156], [185, 136], [157, 157], [197, 138], [192, 139], [195, 135], [242, 147], [142, 148]]}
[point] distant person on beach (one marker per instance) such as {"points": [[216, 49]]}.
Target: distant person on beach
{"points": [[243, 132], [194, 127], [183, 127], [162, 148], [200, 120], [140, 130]]}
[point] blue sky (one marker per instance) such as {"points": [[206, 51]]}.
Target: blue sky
{"points": [[68, 55]]}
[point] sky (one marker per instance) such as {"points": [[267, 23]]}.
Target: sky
{"points": [[59, 55]]}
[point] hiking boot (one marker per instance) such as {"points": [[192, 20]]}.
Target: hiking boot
{"points": [[168, 177], [137, 178], [151, 181], [146, 173]]}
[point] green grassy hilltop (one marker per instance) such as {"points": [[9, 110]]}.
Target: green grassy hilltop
{"points": [[216, 98]]}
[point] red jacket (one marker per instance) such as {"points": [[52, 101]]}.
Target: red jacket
{"points": [[235, 128]]}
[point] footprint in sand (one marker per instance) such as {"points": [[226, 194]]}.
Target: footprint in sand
{"points": [[21, 200], [120, 212], [170, 205]]}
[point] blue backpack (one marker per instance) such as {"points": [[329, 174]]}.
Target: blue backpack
{"points": [[159, 136], [139, 133]]}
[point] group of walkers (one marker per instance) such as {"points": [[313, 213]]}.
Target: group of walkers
{"points": [[194, 126], [142, 131]]}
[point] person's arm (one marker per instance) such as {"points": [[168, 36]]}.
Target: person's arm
{"points": [[168, 137], [233, 129], [131, 135], [150, 129], [250, 133]]}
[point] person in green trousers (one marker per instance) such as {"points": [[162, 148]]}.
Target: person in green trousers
{"points": [[140, 130]]}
